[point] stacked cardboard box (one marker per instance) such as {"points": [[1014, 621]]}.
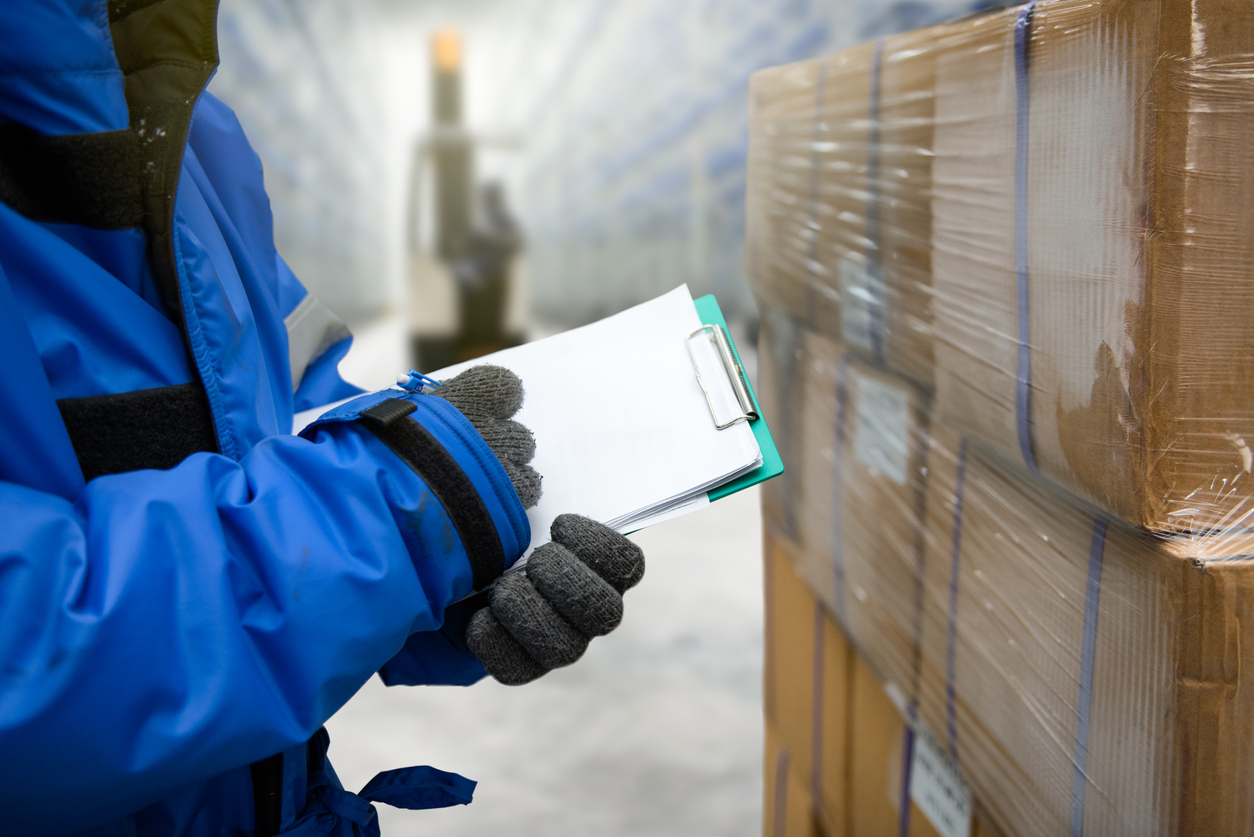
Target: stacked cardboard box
{"points": [[1033, 529], [836, 743]]}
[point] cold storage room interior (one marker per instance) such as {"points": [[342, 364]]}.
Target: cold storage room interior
{"points": [[932, 519]]}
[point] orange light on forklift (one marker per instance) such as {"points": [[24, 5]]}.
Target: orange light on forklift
{"points": [[446, 50]]}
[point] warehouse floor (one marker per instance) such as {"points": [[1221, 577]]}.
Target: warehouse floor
{"points": [[657, 730]]}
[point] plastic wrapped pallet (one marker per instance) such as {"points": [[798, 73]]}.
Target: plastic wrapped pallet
{"points": [[1092, 266], [1078, 175], [839, 208]]}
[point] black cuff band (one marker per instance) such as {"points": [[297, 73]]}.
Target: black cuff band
{"points": [[389, 421]]}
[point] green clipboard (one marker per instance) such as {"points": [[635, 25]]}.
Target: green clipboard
{"points": [[772, 465]]}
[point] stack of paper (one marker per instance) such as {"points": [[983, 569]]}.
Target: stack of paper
{"points": [[623, 431]]}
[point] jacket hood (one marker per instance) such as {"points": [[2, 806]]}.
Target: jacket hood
{"points": [[58, 71]]}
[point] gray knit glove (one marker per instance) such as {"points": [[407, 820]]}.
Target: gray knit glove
{"points": [[571, 589], [489, 396]]}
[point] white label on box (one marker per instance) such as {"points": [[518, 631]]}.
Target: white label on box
{"points": [[856, 303], [937, 787], [881, 436]]}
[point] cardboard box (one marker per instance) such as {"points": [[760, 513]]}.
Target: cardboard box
{"points": [[878, 787], [879, 750], [860, 504], [787, 806], [812, 673], [1086, 675], [1093, 252], [806, 685], [838, 196]]}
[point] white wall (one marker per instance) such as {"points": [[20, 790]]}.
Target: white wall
{"points": [[619, 127], [301, 76]]}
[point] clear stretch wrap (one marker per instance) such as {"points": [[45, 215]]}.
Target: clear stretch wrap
{"points": [[1005, 267], [1043, 214], [1087, 677]]}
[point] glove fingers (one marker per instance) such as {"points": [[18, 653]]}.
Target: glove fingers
{"points": [[540, 630], [526, 482], [484, 392], [487, 396], [509, 440], [581, 596], [499, 652], [610, 555]]}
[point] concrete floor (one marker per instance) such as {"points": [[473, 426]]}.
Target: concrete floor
{"points": [[656, 731]]}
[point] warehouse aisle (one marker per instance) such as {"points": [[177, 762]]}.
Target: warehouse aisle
{"points": [[658, 730]]}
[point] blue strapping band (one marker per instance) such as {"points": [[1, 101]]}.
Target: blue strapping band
{"points": [[875, 254], [953, 601], [1023, 382], [838, 534], [816, 727], [812, 222], [1084, 703], [907, 769], [781, 793]]}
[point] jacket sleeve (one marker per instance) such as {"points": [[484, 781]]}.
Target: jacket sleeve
{"points": [[170, 625], [441, 657], [225, 166]]}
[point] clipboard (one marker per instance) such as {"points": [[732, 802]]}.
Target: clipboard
{"points": [[662, 324], [715, 329]]}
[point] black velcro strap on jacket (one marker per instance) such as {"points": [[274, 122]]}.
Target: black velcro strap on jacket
{"points": [[87, 179], [147, 428], [414, 444]]}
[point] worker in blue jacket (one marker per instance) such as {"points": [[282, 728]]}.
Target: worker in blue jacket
{"points": [[187, 591]]}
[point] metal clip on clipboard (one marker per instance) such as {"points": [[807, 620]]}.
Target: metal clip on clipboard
{"points": [[735, 375]]}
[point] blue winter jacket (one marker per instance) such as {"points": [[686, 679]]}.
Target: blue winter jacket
{"points": [[163, 630]]}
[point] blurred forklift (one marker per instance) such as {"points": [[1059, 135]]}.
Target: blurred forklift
{"points": [[466, 273]]}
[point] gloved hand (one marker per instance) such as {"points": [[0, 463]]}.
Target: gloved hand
{"points": [[572, 588], [570, 591], [489, 396]]}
